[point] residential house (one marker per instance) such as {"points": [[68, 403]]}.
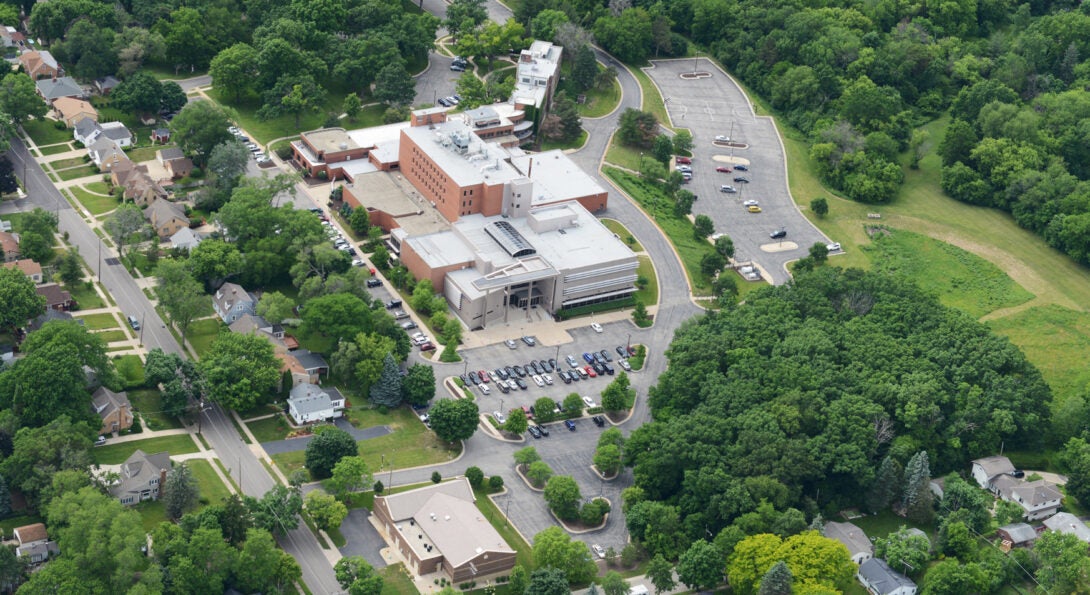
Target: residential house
{"points": [[117, 132], [179, 168], [1039, 499], [114, 409], [11, 38], [71, 110], [160, 135], [105, 153], [142, 475], [106, 84], [51, 315], [9, 246], [29, 267], [859, 546], [231, 302], [85, 130], [143, 190], [438, 528], [1065, 522], [164, 156], [122, 172], [40, 64], [35, 546], [1017, 535], [937, 487], [879, 579], [987, 469], [55, 297], [252, 324], [186, 239], [53, 89], [167, 218], [313, 364], [310, 403]]}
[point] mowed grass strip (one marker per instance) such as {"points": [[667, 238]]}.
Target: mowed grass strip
{"points": [[45, 132], [77, 172], [649, 295], [213, 490], [149, 402], [115, 454], [269, 430], [622, 232], [96, 322], [94, 203], [1057, 341]]}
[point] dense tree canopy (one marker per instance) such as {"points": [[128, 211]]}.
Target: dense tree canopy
{"points": [[811, 384]]}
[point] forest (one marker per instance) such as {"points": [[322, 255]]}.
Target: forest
{"points": [[794, 399]]}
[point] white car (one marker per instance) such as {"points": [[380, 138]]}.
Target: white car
{"points": [[589, 401], [496, 415], [722, 138], [597, 327], [357, 262], [685, 168], [627, 367], [599, 550], [548, 379], [750, 203], [484, 388], [538, 380], [494, 376], [834, 247]]}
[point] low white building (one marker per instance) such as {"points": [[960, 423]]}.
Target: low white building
{"points": [[880, 579], [310, 403]]}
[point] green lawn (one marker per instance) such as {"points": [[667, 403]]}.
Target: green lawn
{"points": [[70, 162], [268, 430], [409, 445], [313, 340], [967, 281], [396, 581], [43, 132], [96, 204], [147, 153], [86, 296], [78, 172], [55, 149], [678, 230], [622, 155], [884, 523], [213, 490], [201, 333], [112, 336], [99, 187], [524, 553], [8, 525], [622, 232], [649, 295], [152, 513], [131, 369], [115, 454], [652, 99], [96, 322], [149, 403], [264, 131], [575, 143], [600, 102]]}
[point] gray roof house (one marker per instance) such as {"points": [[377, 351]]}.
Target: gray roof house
{"points": [[1039, 499], [141, 477], [106, 84], [987, 469], [114, 409], [105, 153], [1065, 522], [64, 86], [88, 131], [859, 546], [880, 579], [185, 239], [231, 301], [84, 130], [309, 403], [1018, 534], [34, 543]]}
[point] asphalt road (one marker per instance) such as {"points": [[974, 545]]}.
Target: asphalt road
{"points": [[217, 428], [713, 106], [437, 81]]}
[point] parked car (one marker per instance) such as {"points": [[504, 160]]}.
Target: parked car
{"points": [[443, 100], [627, 367], [538, 380], [427, 347], [728, 189], [587, 357], [390, 305], [723, 169], [741, 179], [609, 369], [529, 340], [589, 401], [599, 551], [503, 387], [684, 168], [502, 373], [571, 361], [536, 433], [552, 365], [484, 375], [559, 407], [834, 247], [753, 209], [570, 425], [722, 138], [597, 327], [599, 421], [778, 234], [408, 325], [519, 371], [544, 431], [564, 376], [499, 417], [511, 344], [134, 323], [548, 379], [521, 384], [590, 372], [484, 389], [400, 314], [621, 351], [374, 282], [605, 355], [685, 160], [544, 365], [533, 366], [457, 68], [750, 203], [741, 167], [100, 441]]}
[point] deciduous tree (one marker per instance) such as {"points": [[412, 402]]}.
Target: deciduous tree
{"points": [[394, 85], [235, 69], [19, 98], [418, 385], [563, 497], [240, 370], [454, 419], [357, 576], [127, 225], [325, 510], [329, 445], [199, 127], [349, 475], [20, 298], [554, 548]]}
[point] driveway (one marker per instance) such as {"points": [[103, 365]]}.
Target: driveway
{"points": [[296, 444], [437, 81], [714, 105], [361, 538]]}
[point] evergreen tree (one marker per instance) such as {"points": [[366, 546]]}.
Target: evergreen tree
{"points": [[884, 489], [585, 69], [387, 391], [180, 491], [8, 183], [5, 498], [777, 581], [69, 268], [570, 123], [916, 497]]}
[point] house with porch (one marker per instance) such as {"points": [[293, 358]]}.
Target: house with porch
{"points": [[71, 111], [40, 64], [1017, 535], [142, 477], [166, 218], [52, 89], [1039, 499], [879, 579]]}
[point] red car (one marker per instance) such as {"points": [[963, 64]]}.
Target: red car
{"points": [[427, 346], [484, 376], [724, 169], [590, 372], [685, 160]]}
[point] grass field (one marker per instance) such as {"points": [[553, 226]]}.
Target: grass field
{"points": [[579, 141], [152, 513], [623, 156], [42, 132], [268, 430], [201, 333], [77, 172], [149, 403], [213, 490], [884, 523], [396, 581], [115, 454], [622, 232], [112, 336], [600, 102], [967, 282], [131, 369], [85, 295], [99, 187], [70, 162], [95, 322], [652, 99], [678, 230], [264, 131], [648, 295], [94, 203], [55, 149]]}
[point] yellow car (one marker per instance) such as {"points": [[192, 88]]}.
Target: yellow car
{"points": [[753, 209]]}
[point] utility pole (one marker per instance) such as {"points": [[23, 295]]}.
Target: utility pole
{"points": [[507, 512], [143, 315]]}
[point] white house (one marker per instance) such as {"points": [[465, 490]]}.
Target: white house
{"points": [[1039, 499], [880, 579], [231, 301], [987, 469], [853, 538], [309, 403]]}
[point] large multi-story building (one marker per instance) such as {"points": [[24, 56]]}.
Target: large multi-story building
{"points": [[536, 76]]}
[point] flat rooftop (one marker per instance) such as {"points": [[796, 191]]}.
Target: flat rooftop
{"points": [[464, 157], [556, 178], [330, 140], [375, 135], [377, 190]]}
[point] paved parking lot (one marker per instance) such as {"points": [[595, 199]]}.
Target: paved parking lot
{"points": [[437, 81], [712, 106]]}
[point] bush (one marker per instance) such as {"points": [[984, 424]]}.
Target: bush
{"points": [[59, 125], [495, 483], [196, 173], [378, 487], [436, 477], [323, 175], [475, 477]]}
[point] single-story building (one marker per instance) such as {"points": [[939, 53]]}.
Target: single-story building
{"points": [[185, 239], [1065, 522], [52, 89], [106, 84], [1017, 534], [55, 297], [71, 111], [28, 267], [310, 403], [10, 37], [853, 538], [879, 579], [438, 528], [179, 168], [9, 247], [160, 135], [35, 546]]}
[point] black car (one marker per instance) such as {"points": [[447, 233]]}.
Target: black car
{"points": [[609, 369], [374, 282], [544, 431], [536, 433], [598, 358], [351, 251], [502, 373], [533, 411], [564, 376], [742, 180], [510, 372], [573, 375], [599, 421], [779, 233], [605, 354], [560, 407], [521, 384], [533, 366], [443, 100], [621, 351], [519, 371], [464, 378], [474, 378], [740, 168], [552, 364], [390, 305], [545, 367], [599, 369]]}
